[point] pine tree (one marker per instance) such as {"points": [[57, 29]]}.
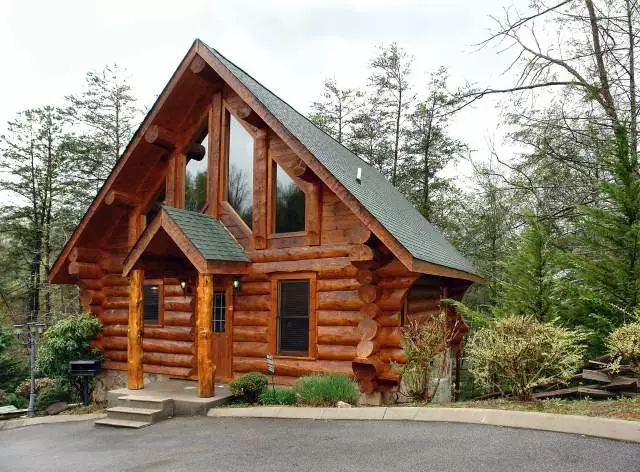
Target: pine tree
{"points": [[334, 111], [370, 138]]}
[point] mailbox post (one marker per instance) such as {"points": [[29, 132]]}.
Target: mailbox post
{"points": [[81, 372]]}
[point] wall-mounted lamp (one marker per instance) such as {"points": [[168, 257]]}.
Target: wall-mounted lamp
{"points": [[236, 283], [183, 285]]}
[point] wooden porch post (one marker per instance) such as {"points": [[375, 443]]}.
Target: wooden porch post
{"points": [[135, 377], [204, 321]]}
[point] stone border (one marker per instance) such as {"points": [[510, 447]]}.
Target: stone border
{"points": [[22, 422], [607, 428]]}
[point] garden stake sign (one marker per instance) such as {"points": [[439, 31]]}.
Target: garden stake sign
{"points": [[272, 370]]}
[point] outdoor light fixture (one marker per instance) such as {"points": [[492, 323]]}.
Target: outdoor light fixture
{"points": [[183, 286], [236, 283], [31, 331]]}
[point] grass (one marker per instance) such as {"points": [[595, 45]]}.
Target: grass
{"points": [[327, 390], [621, 408]]}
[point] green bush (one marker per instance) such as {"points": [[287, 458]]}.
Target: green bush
{"points": [[517, 354], [50, 395], [24, 389], [14, 399], [624, 344], [327, 390], [14, 364], [279, 396], [249, 386], [68, 340]]}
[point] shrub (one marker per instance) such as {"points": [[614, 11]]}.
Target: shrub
{"points": [[14, 364], [24, 389], [50, 395], [278, 396], [326, 390], [14, 399], [624, 344], [517, 354], [68, 340], [249, 386]]}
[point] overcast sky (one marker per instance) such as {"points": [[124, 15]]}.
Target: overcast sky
{"points": [[47, 46]]}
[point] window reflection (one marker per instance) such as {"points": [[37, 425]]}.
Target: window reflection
{"points": [[289, 204], [195, 181], [240, 170]]}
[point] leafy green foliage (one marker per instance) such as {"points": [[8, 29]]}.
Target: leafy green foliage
{"points": [[624, 344], [67, 340], [327, 390], [43, 383], [14, 365], [11, 398], [50, 395], [517, 354], [278, 396], [249, 386]]}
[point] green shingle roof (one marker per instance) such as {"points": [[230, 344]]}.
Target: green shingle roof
{"points": [[208, 235], [375, 192]]}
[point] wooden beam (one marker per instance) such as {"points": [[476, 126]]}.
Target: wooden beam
{"points": [[245, 113], [135, 377], [260, 189], [196, 152], [197, 65], [215, 161], [313, 210], [160, 136], [204, 320], [116, 197]]}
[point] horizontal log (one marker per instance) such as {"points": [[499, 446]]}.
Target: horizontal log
{"points": [[160, 136], [116, 302], [118, 356], [183, 372], [173, 333], [366, 348], [395, 268], [196, 152], [391, 299], [115, 316], [168, 360], [253, 303], [418, 292], [178, 318], [254, 288], [367, 276], [354, 252], [339, 300], [392, 355], [292, 367], [330, 285], [178, 303], [250, 349], [336, 352], [338, 318], [390, 319], [96, 310], [173, 290], [114, 330], [91, 297], [87, 254], [168, 346], [425, 304], [397, 282], [341, 335], [116, 291], [348, 272], [307, 265], [90, 284], [114, 280], [85, 270], [116, 343], [249, 333], [251, 318], [369, 293], [389, 337], [123, 199], [113, 365]]}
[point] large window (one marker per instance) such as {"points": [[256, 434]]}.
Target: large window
{"points": [[195, 179], [240, 170], [293, 317], [219, 312], [151, 303], [289, 201]]}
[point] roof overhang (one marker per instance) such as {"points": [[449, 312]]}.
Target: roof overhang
{"points": [[161, 228]]}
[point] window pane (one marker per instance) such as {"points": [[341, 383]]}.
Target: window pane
{"points": [[219, 312], [195, 181], [289, 203], [293, 316], [240, 176], [151, 298]]}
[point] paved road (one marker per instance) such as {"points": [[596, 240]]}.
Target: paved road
{"points": [[230, 444]]}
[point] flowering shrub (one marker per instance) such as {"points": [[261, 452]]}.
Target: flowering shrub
{"points": [[624, 344]]}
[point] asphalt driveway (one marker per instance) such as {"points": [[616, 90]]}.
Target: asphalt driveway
{"points": [[230, 444]]}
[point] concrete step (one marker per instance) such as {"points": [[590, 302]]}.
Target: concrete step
{"points": [[149, 402], [118, 423], [150, 415]]}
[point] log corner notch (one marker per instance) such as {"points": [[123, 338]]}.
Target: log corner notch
{"points": [[204, 308]]}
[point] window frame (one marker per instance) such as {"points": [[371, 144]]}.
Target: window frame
{"points": [[160, 284], [272, 188], [225, 308], [205, 130], [227, 112], [312, 351]]}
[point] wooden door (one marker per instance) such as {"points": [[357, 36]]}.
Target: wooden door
{"points": [[221, 333]]}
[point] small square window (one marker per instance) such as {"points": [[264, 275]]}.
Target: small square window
{"points": [[219, 312]]}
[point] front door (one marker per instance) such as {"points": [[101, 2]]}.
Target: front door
{"points": [[221, 327]]}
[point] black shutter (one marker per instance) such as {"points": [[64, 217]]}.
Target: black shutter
{"points": [[293, 312], [151, 303]]}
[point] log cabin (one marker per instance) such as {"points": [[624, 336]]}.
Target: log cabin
{"points": [[232, 228]]}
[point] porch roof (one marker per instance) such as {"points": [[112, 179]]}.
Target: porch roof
{"points": [[203, 240]]}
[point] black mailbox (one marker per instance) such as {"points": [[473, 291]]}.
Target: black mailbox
{"points": [[80, 368]]}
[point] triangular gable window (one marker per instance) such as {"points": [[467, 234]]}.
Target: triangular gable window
{"points": [[289, 214]]}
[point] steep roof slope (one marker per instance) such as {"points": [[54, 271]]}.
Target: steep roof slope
{"points": [[375, 192]]}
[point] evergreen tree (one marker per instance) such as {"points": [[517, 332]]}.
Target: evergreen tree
{"points": [[334, 111], [370, 138]]}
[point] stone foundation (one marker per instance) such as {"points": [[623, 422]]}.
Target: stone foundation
{"points": [[112, 379]]}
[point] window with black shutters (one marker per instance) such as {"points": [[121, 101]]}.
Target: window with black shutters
{"points": [[219, 309], [151, 299], [293, 317]]}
